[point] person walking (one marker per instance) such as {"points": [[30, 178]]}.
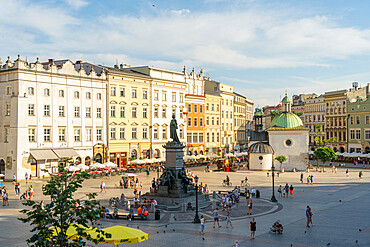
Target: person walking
{"points": [[253, 227], [301, 177], [250, 205], [308, 216], [26, 177], [14, 178], [202, 224], [291, 190], [16, 189], [308, 180], [347, 173], [228, 219], [360, 174], [280, 191], [311, 179], [287, 190], [216, 218]]}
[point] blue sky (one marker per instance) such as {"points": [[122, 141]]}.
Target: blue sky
{"points": [[261, 47]]}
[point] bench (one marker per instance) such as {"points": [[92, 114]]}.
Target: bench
{"points": [[125, 217]]}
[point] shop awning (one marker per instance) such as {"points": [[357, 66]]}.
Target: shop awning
{"points": [[44, 154], [66, 152]]}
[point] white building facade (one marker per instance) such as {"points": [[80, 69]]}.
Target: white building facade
{"points": [[227, 113], [52, 110]]}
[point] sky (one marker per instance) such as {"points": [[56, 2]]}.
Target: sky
{"points": [[262, 48]]}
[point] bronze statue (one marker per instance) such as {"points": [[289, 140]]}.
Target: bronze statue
{"points": [[173, 130]]}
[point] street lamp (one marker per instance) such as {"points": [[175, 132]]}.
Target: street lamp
{"points": [[273, 199], [196, 217]]}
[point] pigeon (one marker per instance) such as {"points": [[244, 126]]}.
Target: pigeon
{"points": [[360, 230], [327, 244], [153, 5], [305, 231], [165, 226], [291, 245], [340, 200], [356, 241], [203, 238], [157, 232], [173, 230], [164, 231]]}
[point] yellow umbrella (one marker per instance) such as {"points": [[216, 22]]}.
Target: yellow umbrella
{"points": [[122, 235], [72, 233]]}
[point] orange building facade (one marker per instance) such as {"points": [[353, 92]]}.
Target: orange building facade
{"points": [[195, 121]]}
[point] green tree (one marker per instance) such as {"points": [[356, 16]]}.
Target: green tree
{"points": [[320, 141], [281, 160], [325, 154], [274, 113], [63, 210]]}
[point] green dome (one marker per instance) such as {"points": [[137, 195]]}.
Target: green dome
{"points": [[286, 99], [286, 120]]}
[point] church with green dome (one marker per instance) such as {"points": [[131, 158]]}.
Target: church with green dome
{"points": [[289, 137]]}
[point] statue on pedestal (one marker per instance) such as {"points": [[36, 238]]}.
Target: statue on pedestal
{"points": [[173, 130]]}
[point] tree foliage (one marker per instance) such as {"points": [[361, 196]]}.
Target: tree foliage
{"points": [[281, 159], [62, 211], [325, 154], [322, 142]]}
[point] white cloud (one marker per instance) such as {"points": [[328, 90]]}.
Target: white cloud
{"points": [[180, 12], [77, 4]]}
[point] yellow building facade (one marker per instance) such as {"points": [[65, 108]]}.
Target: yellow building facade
{"points": [[129, 115], [212, 127]]}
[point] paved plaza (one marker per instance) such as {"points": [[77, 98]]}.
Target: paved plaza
{"points": [[339, 205]]}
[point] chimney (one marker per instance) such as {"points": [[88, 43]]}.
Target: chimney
{"points": [[116, 66], [51, 60], [355, 85], [78, 62]]}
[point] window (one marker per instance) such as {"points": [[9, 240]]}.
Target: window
{"points": [[145, 133], [195, 108], [98, 112], [173, 97], [61, 111], [227, 114], [218, 121], [195, 122], [98, 96], [155, 133], [112, 91], [112, 111], [47, 132], [181, 98], [77, 134], [134, 93], [46, 92], [213, 137], [213, 107], [367, 134], [218, 137], [201, 109], [88, 112], [288, 142], [214, 88], [201, 121], [98, 135], [122, 133], [174, 112], [6, 139], [367, 119], [88, 135], [189, 108], [134, 111], [156, 95], [181, 132], [88, 95], [77, 111], [31, 135], [145, 112], [31, 91], [181, 113], [76, 95], [122, 92], [164, 114], [62, 134], [201, 137], [145, 94], [207, 137], [122, 112], [164, 133], [358, 134], [31, 110], [188, 138], [46, 110], [134, 133], [217, 107], [189, 121], [357, 119], [213, 121], [222, 114], [8, 90], [155, 112], [207, 107], [207, 121], [195, 138], [164, 96], [352, 134], [113, 133], [227, 102], [7, 109]]}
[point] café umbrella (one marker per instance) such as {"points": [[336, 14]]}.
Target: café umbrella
{"points": [[121, 235]]}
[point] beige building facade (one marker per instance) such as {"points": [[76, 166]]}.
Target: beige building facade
{"points": [[213, 123], [240, 122], [315, 115]]}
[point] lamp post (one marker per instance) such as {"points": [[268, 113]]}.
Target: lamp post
{"points": [[273, 199], [196, 217]]}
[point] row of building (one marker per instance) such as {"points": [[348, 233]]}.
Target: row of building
{"points": [[343, 114], [58, 109]]}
